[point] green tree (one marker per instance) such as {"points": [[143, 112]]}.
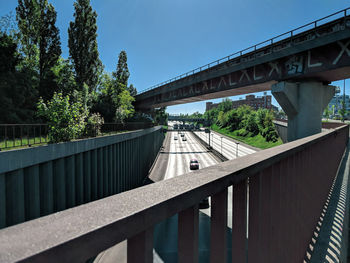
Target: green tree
{"points": [[63, 75], [326, 113], [132, 90], [18, 96], [82, 43], [160, 116], [40, 40], [66, 119], [342, 111], [125, 109], [225, 105]]}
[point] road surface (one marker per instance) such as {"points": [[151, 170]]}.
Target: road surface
{"points": [[225, 146]]}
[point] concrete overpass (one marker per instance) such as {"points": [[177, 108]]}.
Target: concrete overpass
{"points": [[320, 52], [184, 118], [297, 66]]}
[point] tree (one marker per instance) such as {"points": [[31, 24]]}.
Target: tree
{"points": [[125, 109], [342, 111], [326, 112], [132, 90], [66, 119], [18, 96], [82, 43], [225, 105], [160, 116], [40, 40]]}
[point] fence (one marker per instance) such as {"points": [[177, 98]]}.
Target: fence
{"points": [[42, 180], [288, 186], [17, 135]]}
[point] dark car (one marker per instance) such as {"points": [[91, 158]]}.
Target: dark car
{"points": [[194, 165]]}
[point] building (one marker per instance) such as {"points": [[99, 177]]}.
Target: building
{"points": [[335, 104], [250, 100]]}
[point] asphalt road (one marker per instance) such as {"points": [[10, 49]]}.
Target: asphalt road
{"points": [[225, 146], [165, 234]]}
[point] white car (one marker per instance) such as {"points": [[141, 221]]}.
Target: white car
{"points": [[175, 138]]}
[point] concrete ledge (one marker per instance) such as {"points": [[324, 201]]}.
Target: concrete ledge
{"points": [[17, 159]]}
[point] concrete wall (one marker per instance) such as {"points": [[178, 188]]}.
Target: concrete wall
{"points": [[281, 128], [39, 181]]}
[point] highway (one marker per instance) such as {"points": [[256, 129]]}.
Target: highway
{"points": [[165, 233], [181, 152], [225, 146]]}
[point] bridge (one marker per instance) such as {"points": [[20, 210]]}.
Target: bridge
{"points": [[184, 118], [68, 202], [297, 66]]}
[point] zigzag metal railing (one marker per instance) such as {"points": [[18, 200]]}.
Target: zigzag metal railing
{"points": [[255, 48]]}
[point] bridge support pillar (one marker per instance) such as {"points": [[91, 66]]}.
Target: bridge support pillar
{"points": [[303, 102]]}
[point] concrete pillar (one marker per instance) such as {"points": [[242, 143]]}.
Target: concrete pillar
{"points": [[303, 102]]}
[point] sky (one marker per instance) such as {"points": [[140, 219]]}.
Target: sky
{"points": [[165, 38]]}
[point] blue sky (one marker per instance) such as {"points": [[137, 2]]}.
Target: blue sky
{"points": [[165, 38]]}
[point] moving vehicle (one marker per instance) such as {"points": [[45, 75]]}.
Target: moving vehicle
{"points": [[184, 139], [176, 126], [194, 164], [175, 138], [182, 135]]}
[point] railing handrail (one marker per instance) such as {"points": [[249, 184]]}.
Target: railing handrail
{"points": [[240, 53], [82, 232]]}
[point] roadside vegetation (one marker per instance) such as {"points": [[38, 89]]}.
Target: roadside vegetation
{"points": [[73, 95], [252, 127]]}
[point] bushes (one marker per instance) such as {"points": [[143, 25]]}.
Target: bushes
{"points": [[66, 119], [245, 122], [94, 125]]}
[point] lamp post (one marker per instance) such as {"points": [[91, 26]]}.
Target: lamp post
{"points": [[221, 145], [237, 149]]}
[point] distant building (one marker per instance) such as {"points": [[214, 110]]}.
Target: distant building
{"points": [[335, 104], [250, 100]]}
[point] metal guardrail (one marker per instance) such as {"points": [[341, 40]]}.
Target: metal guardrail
{"points": [[19, 135], [255, 48]]}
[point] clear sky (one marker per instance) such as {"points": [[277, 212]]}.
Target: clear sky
{"points": [[165, 38]]}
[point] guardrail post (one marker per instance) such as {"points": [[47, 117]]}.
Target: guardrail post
{"points": [[218, 230], [188, 235], [140, 247]]}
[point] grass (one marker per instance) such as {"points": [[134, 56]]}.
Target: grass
{"points": [[257, 141], [35, 141], [25, 142]]}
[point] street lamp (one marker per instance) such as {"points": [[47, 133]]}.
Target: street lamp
{"points": [[237, 149], [221, 145]]}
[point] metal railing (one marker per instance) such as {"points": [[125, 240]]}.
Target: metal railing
{"points": [[17, 135], [274, 215], [20, 135], [289, 35]]}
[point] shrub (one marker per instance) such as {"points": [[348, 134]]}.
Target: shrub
{"points": [[66, 119], [94, 125]]}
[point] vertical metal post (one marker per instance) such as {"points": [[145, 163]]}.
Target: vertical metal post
{"points": [[34, 133], [221, 145], [237, 149], [5, 136], [21, 135], [40, 132], [14, 136]]}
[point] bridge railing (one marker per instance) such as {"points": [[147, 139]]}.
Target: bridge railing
{"points": [[278, 195], [289, 35]]}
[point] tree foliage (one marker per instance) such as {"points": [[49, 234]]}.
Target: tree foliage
{"points": [[82, 42], [40, 40], [244, 121], [66, 119]]}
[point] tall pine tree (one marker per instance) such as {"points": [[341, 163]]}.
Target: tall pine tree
{"points": [[82, 44], [40, 41]]}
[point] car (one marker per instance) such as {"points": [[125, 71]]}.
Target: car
{"points": [[194, 164], [184, 139], [175, 138], [182, 135]]}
